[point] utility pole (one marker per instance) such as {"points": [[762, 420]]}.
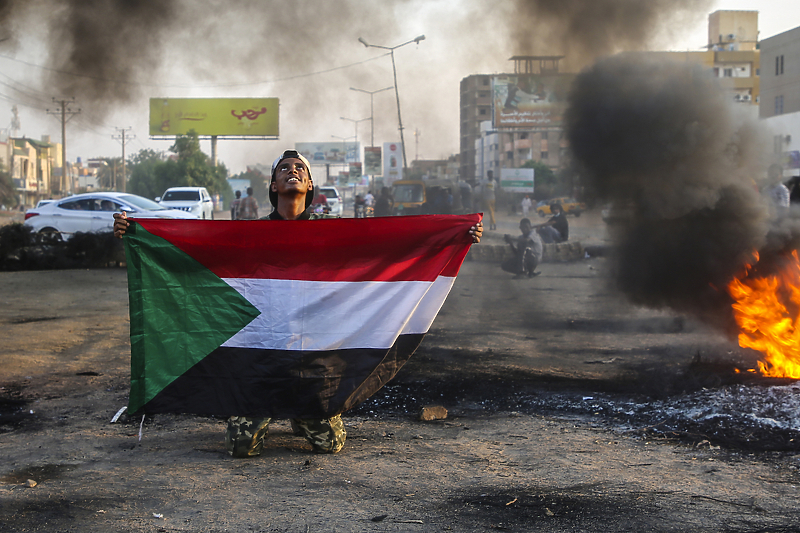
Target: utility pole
{"points": [[64, 110], [121, 137]]}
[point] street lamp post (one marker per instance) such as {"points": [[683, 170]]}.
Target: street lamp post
{"points": [[344, 161], [355, 123], [371, 110], [396, 92]]}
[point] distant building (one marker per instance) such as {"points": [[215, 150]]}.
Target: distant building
{"points": [[780, 102], [732, 54], [508, 119], [780, 78], [32, 166]]}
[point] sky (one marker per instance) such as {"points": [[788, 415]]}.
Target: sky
{"points": [[307, 54]]}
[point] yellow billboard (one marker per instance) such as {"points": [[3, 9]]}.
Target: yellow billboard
{"points": [[214, 116]]}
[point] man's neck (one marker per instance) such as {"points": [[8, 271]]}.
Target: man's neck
{"points": [[291, 208]]}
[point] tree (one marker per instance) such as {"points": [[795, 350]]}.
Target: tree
{"points": [[110, 174], [547, 184], [191, 168], [258, 181], [142, 170], [151, 174], [8, 194]]}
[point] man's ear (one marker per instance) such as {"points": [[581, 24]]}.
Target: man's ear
{"points": [[273, 186]]}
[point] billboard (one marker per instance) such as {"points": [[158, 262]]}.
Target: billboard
{"points": [[325, 153], [516, 179], [372, 160], [392, 163], [529, 101], [256, 117], [355, 173]]}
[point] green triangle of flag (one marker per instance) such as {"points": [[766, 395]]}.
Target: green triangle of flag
{"points": [[180, 312]]}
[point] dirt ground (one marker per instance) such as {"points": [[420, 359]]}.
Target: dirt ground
{"points": [[516, 362]]}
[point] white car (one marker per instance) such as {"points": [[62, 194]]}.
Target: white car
{"points": [[195, 200], [334, 199], [60, 219]]}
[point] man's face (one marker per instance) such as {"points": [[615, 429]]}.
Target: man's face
{"points": [[291, 176], [525, 227]]}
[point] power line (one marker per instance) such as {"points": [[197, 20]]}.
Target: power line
{"points": [[63, 110], [121, 138], [158, 86]]}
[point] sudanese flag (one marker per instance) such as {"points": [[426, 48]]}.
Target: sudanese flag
{"points": [[283, 319]]}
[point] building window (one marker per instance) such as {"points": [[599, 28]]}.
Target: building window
{"points": [[486, 81], [716, 72], [544, 135], [777, 65], [523, 135], [482, 111], [510, 156], [545, 155], [781, 63], [779, 105], [727, 73], [483, 94]]}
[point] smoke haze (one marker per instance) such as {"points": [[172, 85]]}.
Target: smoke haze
{"points": [[662, 143], [111, 56]]}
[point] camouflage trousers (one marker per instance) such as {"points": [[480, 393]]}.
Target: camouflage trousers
{"points": [[245, 436]]}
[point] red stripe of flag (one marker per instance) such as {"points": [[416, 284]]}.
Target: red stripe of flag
{"points": [[413, 248]]}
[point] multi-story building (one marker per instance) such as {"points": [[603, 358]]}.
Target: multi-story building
{"points": [[508, 119], [32, 166], [780, 78], [476, 107], [731, 55], [780, 101]]}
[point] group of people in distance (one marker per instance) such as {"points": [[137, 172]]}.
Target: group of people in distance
{"points": [[528, 247], [244, 208]]}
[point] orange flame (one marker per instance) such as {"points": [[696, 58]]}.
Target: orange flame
{"points": [[765, 323]]}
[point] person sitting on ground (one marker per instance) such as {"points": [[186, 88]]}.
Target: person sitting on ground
{"points": [[557, 228], [527, 248]]}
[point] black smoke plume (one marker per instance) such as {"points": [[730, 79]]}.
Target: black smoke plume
{"points": [[584, 30], [680, 169], [111, 42]]}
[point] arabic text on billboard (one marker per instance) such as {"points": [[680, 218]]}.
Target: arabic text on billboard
{"points": [[256, 117], [324, 153], [529, 101], [516, 179]]}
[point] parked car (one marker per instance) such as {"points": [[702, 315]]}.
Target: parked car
{"points": [[195, 200], [335, 203], [60, 219], [570, 205]]}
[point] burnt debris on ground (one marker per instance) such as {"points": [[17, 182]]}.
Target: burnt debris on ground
{"points": [[704, 402]]}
